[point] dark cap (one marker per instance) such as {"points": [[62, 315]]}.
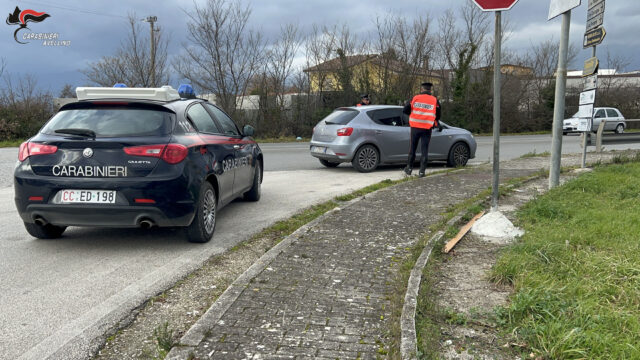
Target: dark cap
{"points": [[426, 85], [364, 96]]}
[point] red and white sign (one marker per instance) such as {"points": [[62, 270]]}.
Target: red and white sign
{"points": [[495, 5]]}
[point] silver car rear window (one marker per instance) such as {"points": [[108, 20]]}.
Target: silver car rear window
{"points": [[340, 117]]}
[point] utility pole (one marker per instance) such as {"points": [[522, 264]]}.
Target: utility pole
{"points": [[151, 20]]}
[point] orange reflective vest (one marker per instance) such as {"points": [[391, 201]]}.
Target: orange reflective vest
{"points": [[423, 111]]}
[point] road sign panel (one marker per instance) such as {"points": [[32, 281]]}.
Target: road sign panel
{"points": [[588, 97], [585, 111], [593, 37], [584, 124], [558, 7], [590, 82], [495, 5], [595, 11], [590, 66], [595, 22], [593, 3]]}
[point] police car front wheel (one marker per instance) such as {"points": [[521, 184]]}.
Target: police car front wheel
{"points": [[204, 222]]}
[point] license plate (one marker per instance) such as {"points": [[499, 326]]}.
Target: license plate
{"points": [[88, 196], [318, 149]]}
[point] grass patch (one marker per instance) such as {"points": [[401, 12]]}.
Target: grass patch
{"points": [[284, 228], [534, 154], [163, 335], [576, 271], [10, 143], [371, 188]]}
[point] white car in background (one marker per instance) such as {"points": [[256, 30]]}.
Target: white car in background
{"points": [[614, 121]]}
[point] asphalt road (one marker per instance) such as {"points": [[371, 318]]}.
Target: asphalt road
{"points": [[58, 297]]}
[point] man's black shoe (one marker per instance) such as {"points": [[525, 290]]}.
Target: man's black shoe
{"points": [[407, 170], [420, 174]]}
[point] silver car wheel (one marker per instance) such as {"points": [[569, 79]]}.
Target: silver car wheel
{"points": [[209, 211], [368, 158], [619, 129], [459, 155]]}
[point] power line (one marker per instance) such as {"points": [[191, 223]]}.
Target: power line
{"points": [[91, 12]]}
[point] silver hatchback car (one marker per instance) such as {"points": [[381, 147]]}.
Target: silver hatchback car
{"points": [[369, 136]]}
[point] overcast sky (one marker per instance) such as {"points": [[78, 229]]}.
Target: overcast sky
{"points": [[96, 28]]}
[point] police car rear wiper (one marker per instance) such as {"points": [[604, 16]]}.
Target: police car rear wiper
{"points": [[81, 132]]}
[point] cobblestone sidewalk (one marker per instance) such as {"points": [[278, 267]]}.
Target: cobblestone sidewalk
{"points": [[326, 294]]}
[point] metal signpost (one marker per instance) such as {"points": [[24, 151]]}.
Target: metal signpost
{"points": [[560, 7], [593, 36], [496, 6]]}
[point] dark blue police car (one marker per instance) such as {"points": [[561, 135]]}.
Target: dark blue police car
{"points": [[135, 157]]}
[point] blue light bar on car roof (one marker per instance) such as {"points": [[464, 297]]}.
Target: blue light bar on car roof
{"points": [[119, 85], [186, 91]]}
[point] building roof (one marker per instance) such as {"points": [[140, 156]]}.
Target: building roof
{"points": [[354, 60]]}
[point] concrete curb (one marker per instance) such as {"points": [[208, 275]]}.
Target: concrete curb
{"points": [[199, 330], [408, 340]]}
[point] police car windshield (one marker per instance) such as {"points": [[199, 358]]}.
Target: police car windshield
{"points": [[112, 122], [340, 117]]}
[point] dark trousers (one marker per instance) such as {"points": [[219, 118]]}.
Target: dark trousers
{"points": [[424, 136]]}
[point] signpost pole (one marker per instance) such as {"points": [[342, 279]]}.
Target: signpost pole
{"points": [[496, 6], [585, 134], [558, 111], [496, 111]]}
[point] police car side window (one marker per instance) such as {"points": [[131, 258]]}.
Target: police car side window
{"points": [[389, 117], [228, 126], [201, 119]]}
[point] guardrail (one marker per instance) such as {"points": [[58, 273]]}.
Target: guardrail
{"points": [[603, 139]]}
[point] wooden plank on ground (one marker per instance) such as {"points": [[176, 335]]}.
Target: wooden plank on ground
{"points": [[461, 233]]}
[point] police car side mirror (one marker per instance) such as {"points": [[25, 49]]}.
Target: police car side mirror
{"points": [[248, 130]]}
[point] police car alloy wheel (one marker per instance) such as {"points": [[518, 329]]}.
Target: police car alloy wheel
{"points": [[255, 192], [204, 222]]}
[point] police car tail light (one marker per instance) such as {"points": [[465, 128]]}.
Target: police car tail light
{"points": [[32, 149], [175, 153], [171, 153], [145, 150], [345, 131]]}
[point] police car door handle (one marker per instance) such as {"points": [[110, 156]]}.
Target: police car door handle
{"points": [[378, 132], [236, 147]]}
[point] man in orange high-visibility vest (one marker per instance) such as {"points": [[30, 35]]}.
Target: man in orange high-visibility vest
{"points": [[424, 113]]}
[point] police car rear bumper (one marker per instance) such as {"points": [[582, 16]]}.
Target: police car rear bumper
{"points": [[103, 215], [172, 204]]}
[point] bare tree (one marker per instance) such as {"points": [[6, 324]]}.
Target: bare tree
{"points": [[23, 108], [223, 55], [67, 91], [131, 64], [319, 49], [280, 60]]}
